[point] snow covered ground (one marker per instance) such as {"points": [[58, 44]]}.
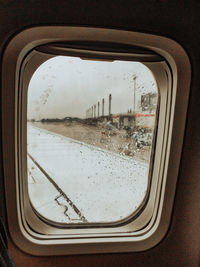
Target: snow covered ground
{"points": [[104, 186]]}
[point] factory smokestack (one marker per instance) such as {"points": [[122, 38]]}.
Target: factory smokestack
{"points": [[109, 108], [98, 109], [94, 111], [103, 107]]}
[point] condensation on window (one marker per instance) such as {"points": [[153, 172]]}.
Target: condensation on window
{"points": [[90, 127]]}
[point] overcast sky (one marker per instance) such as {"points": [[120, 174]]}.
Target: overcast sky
{"points": [[68, 86]]}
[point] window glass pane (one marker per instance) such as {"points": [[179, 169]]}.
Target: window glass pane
{"points": [[90, 130]]}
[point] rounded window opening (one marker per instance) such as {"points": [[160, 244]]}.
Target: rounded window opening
{"points": [[90, 135]]}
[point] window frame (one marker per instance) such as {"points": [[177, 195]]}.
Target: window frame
{"points": [[29, 232], [29, 66]]}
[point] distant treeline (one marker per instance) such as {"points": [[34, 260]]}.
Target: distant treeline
{"points": [[66, 119]]}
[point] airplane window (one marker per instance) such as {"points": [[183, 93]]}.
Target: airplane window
{"points": [[90, 132], [94, 138]]}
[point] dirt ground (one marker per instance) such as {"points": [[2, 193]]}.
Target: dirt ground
{"points": [[100, 136]]}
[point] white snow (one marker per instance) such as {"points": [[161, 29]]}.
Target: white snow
{"points": [[105, 186]]}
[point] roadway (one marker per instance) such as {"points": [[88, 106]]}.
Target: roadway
{"points": [[87, 184]]}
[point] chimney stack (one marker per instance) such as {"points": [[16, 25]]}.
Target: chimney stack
{"points": [[103, 107], [98, 108], [94, 111], [109, 108]]}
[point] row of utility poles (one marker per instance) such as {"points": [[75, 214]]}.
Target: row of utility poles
{"points": [[94, 111]]}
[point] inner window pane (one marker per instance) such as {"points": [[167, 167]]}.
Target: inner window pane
{"points": [[90, 127]]}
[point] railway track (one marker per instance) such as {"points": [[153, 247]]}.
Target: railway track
{"points": [[61, 193]]}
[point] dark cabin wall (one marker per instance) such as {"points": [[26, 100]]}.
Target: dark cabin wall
{"points": [[179, 20]]}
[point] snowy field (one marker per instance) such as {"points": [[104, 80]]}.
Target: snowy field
{"points": [[104, 186]]}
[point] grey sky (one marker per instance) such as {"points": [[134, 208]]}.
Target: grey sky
{"points": [[68, 86]]}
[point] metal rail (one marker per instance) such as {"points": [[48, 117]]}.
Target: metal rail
{"points": [[59, 190]]}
